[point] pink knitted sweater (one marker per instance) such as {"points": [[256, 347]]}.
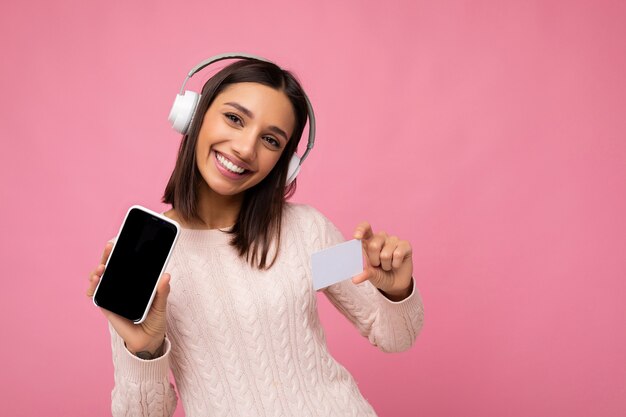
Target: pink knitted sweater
{"points": [[244, 342]]}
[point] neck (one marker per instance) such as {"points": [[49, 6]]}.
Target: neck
{"points": [[218, 211], [215, 211]]}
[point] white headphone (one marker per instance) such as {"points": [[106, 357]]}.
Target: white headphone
{"points": [[185, 105]]}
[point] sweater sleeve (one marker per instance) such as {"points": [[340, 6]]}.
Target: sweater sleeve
{"points": [[142, 387], [391, 326]]}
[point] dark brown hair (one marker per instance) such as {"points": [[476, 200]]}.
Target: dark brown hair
{"points": [[258, 224]]}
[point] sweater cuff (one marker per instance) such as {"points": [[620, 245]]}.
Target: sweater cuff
{"points": [[411, 304], [140, 370]]}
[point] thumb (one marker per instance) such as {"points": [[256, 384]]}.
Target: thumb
{"points": [[367, 270], [362, 277], [163, 290]]}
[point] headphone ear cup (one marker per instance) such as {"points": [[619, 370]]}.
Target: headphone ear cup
{"points": [[294, 169], [182, 111]]}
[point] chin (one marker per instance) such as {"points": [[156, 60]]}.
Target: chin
{"points": [[225, 190], [223, 186]]}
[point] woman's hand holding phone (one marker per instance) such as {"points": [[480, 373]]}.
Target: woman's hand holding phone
{"points": [[147, 336]]}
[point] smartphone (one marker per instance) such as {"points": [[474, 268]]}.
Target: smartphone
{"points": [[139, 257]]}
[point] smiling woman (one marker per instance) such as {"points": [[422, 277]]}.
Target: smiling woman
{"points": [[238, 326], [247, 107], [240, 140]]}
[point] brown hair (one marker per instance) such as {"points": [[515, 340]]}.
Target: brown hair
{"points": [[258, 224]]}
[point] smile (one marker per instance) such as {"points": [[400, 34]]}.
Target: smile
{"points": [[229, 165]]}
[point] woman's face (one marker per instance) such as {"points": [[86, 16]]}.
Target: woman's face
{"points": [[243, 134]]}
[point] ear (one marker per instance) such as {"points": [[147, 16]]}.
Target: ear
{"points": [[294, 169], [183, 110]]}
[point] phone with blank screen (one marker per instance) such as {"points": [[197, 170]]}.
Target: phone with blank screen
{"points": [[139, 257]]}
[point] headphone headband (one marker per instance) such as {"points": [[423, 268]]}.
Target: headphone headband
{"points": [[241, 55]]}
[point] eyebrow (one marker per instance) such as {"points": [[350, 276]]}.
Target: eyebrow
{"points": [[248, 113]]}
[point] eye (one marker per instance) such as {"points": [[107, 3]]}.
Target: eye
{"points": [[233, 118], [272, 142]]}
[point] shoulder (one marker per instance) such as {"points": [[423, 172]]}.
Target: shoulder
{"points": [[301, 211], [303, 214], [312, 224]]}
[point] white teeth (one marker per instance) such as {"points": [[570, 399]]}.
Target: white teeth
{"points": [[229, 165]]}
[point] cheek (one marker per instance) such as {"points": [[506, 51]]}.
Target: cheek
{"points": [[202, 157], [272, 161], [202, 148]]}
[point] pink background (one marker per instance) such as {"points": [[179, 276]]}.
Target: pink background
{"points": [[489, 134]]}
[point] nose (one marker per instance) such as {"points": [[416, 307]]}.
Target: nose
{"points": [[244, 146]]}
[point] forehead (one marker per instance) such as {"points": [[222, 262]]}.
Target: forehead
{"points": [[268, 105]]}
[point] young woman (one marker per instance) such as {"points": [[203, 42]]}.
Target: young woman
{"points": [[235, 315]]}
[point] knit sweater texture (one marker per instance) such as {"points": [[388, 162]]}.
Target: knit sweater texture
{"points": [[246, 342]]}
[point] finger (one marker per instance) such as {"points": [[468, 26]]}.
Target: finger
{"points": [[163, 290], [386, 253], [373, 247], [363, 231], [402, 252], [116, 320], [94, 279], [93, 283], [107, 251], [362, 277], [98, 271]]}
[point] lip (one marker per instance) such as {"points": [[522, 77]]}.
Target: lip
{"points": [[235, 161], [228, 174]]}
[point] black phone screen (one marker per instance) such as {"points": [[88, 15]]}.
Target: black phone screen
{"points": [[134, 267]]}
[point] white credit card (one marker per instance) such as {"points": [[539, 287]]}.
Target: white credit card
{"points": [[337, 263]]}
